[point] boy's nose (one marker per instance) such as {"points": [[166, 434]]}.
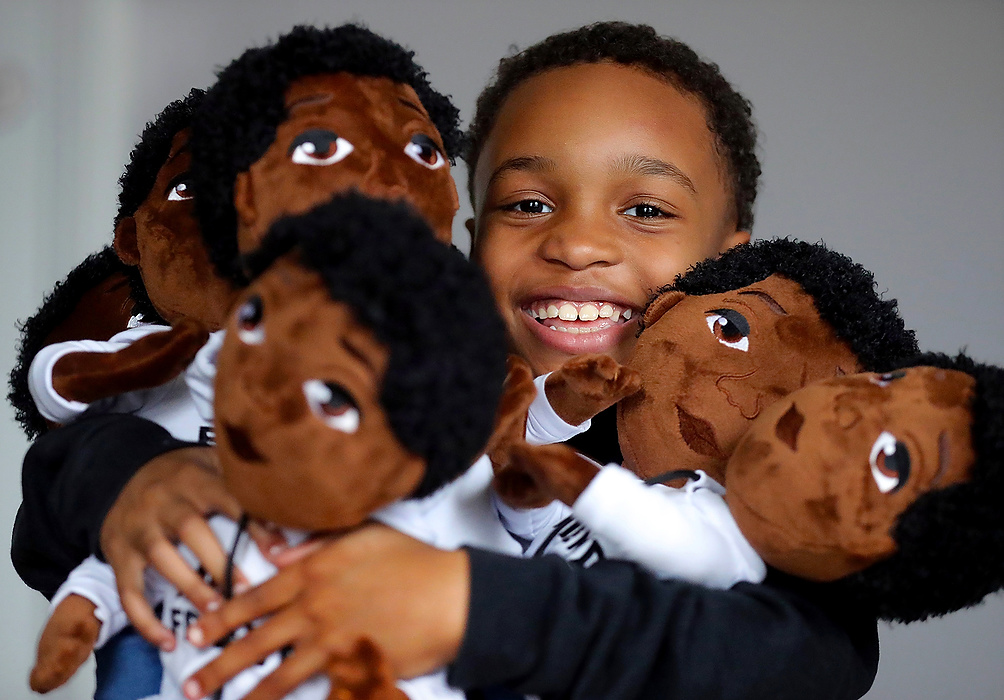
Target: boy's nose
{"points": [[580, 243]]}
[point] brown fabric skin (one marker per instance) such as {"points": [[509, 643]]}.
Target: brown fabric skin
{"points": [[149, 362], [279, 457], [101, 312], [800, 482], [588, 384], [163, 239], [67, 640], [557, 471], [379, 118], [701, 389]]}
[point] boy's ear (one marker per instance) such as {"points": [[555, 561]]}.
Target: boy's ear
{"points": [[733, 239], [126, 246], [469, 225], [244, 199], [660, 305]]}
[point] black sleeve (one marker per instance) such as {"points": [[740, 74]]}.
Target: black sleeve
{"points": [[544, 627], [70, 478]]}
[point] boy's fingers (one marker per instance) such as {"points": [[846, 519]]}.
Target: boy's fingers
{"points": [[269, 597], [292, 672], [197, 535], [166, 559], [278, 632], [141, 616]]}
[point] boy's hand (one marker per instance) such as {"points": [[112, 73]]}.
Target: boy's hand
{"points": [[67, 640], [167, 501], [556, 470], [347, 590], [149, 362], [588, 384]]}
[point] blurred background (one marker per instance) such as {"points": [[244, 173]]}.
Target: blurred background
{"points": [[882, 127]]}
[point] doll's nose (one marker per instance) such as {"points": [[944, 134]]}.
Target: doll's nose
{"points": [[384, 179]]}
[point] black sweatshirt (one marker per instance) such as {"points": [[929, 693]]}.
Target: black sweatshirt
{"points": [[541, 626]]}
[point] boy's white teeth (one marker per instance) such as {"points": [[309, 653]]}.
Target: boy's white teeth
{"points": [[585, 311]]}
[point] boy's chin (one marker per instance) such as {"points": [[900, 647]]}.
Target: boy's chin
{"points": [[546, 350]]}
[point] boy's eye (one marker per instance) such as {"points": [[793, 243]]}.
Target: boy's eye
{"points": [[890, 463], [332, 404], [318, 147], [730, 327], [646, 211], [178, 189], [424, 151], [530, 206], [249, 327]]}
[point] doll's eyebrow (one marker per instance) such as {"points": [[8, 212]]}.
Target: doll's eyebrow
{"points": [[182, 149], [768, 300], [319, 98], [526, 164], [943, 458], [412, 105], [653, 167]]}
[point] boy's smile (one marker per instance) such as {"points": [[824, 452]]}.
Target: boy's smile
{"points": [[598, 184]]}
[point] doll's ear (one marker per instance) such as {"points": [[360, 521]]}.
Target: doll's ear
{"points": [[244, 199], [660, 305], [126, 245]]}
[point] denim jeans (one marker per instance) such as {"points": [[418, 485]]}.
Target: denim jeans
{"points": [[128, 668]]}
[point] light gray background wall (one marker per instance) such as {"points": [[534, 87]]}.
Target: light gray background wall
{"points": [[883, 135]]}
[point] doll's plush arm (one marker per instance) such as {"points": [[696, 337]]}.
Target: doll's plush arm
{"points": [[65, 378], [588, 384]]}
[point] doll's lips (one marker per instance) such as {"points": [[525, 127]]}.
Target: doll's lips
{"points": [[698, 434], [241, 444]]}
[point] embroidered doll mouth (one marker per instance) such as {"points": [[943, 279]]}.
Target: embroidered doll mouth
{"points": [[241, 444], [699, 435]]}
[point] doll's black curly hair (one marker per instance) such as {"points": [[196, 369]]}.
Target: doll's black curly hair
{"points": [[55, 309], [950, 541], [427, 303], [842, 290], [729, 114], [243, 109], [145, 162]]}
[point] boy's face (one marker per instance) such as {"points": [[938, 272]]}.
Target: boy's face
{"points": [[345, 131], [818, 482], [597, 185], [711, 363], [162, 238], [302, 436]]}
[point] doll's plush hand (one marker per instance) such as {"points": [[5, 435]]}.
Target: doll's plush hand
{"points": [[363, 675], [167, 501], [518, 393], [555, 470], [67, 640], [149, 362], [588, 384], [321, 605]]}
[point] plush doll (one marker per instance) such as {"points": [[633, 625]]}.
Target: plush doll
{"points": [[726, 340], [342, 387], [318, 111]]}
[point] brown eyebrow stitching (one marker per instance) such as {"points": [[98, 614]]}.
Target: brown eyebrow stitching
{"points": [[321, 98], [653, 167], [182, 149], [943, 458], [529, 164], [411, 105], [768, 300], [357, 353]]}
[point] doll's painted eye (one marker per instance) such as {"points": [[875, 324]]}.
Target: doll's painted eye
{"points": [[887, 378], [424, 151], [249, 326], [730, 327], [319, 147], [332, 404], [178, 190], [890, 463]]}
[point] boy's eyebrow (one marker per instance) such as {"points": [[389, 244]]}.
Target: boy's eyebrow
{"points": [[646, 165], [768, 300], [531, 164]]}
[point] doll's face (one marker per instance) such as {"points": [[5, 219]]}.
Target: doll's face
{"points": [[819, 480], [162, 238], [345, 131], [302, 436], [710, 364]]}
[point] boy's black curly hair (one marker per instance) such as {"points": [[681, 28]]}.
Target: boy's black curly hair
{"points": [[55, 309], [427, 303], [842, 290], [243, 109], [950, 541], [729, 114], [145, 162]]}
